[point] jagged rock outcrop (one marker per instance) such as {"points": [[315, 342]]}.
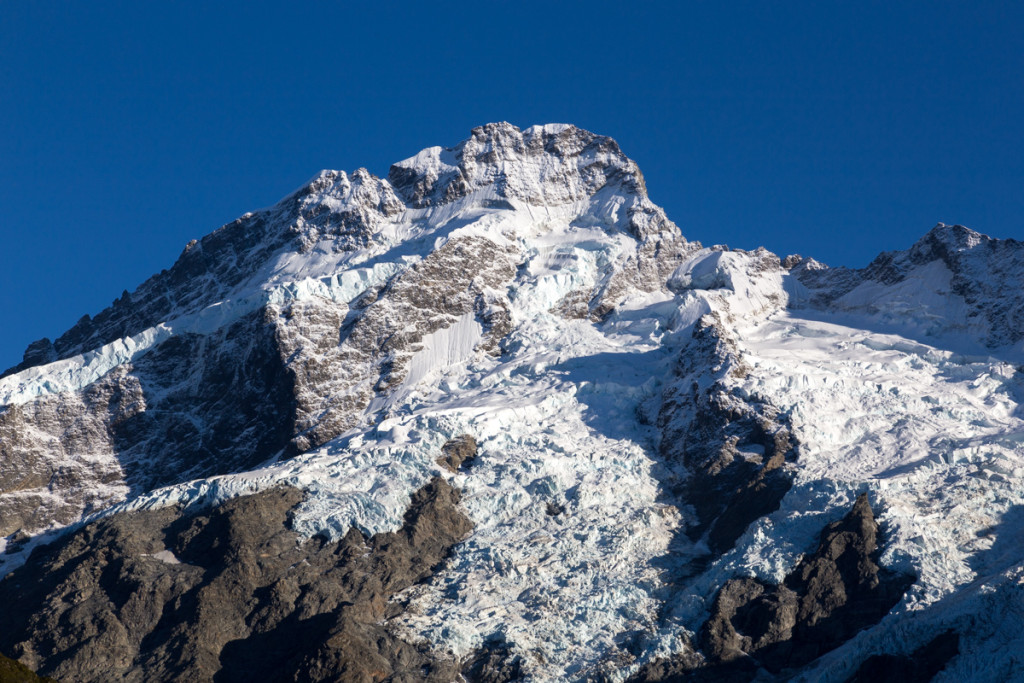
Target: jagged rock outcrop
{"points": [[458, 452], [829, 596], [494, 663], [543, 166], [832, 593], [229, 594], [735, 447]]}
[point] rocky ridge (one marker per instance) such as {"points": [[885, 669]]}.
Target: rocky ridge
{"points": [[975, 269], [652, 441], [228, 594], [338, 345]]}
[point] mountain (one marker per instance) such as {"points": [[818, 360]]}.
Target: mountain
{"points": [[494, 418]]}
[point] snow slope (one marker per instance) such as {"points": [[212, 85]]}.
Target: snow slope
{"points": [[552, 340]]}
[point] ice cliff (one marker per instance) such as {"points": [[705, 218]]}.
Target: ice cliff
{"points": [[662, 434]]}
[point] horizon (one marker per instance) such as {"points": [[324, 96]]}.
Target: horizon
{"points": [[835, 133]]}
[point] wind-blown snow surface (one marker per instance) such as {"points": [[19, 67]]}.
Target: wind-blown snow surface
{"points": [[929, 421], [888, 387]]}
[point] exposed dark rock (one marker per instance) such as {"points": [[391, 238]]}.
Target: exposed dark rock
{"points": [[829, 596], [748, 615], [734, 447], [210, 405], [55, 461], [919, 667], [194, 406], [573, 306], [792, 261], [554, 509], [458, 452], [39, 352], [494, 315], [227, 595], [493, 663], [742, 670], [745, 499], [682, 666]]}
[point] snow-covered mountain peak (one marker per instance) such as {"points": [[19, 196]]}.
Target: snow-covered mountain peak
{"points": [[542, 166], [951, 237], [952, 283], [558, 171], [640, 423], [946, 243]]}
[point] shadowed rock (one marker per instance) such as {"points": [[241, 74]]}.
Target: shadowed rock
{"points": [[735, 447], [829, 596], [919, 667], [194, 406], [493, 663], [227, 595]]}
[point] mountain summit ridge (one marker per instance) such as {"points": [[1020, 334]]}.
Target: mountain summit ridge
{"points": [[644, 425], [350, 209]]}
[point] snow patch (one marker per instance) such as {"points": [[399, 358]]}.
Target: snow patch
{"points": [[444, 349]]}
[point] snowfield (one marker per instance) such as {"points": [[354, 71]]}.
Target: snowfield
{"points": [[578, 553]]}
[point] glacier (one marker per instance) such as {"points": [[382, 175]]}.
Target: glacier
{"points": [[903, 385]]}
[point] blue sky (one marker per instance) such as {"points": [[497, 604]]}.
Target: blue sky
{"points": [[836, 130]]}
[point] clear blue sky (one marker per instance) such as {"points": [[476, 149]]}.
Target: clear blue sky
{"points": [[831, 129]]}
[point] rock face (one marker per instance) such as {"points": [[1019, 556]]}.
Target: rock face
{"points": [[230, 594], [458, 452], [494, 663], [735, 447], [245, 466], [195, 406], [831, 594], [371, 354]]}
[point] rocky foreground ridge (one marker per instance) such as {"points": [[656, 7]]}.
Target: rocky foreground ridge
{"points": [[494, 418]]}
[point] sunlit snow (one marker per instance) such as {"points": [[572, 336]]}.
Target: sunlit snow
{"points": [[888, 391]]}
